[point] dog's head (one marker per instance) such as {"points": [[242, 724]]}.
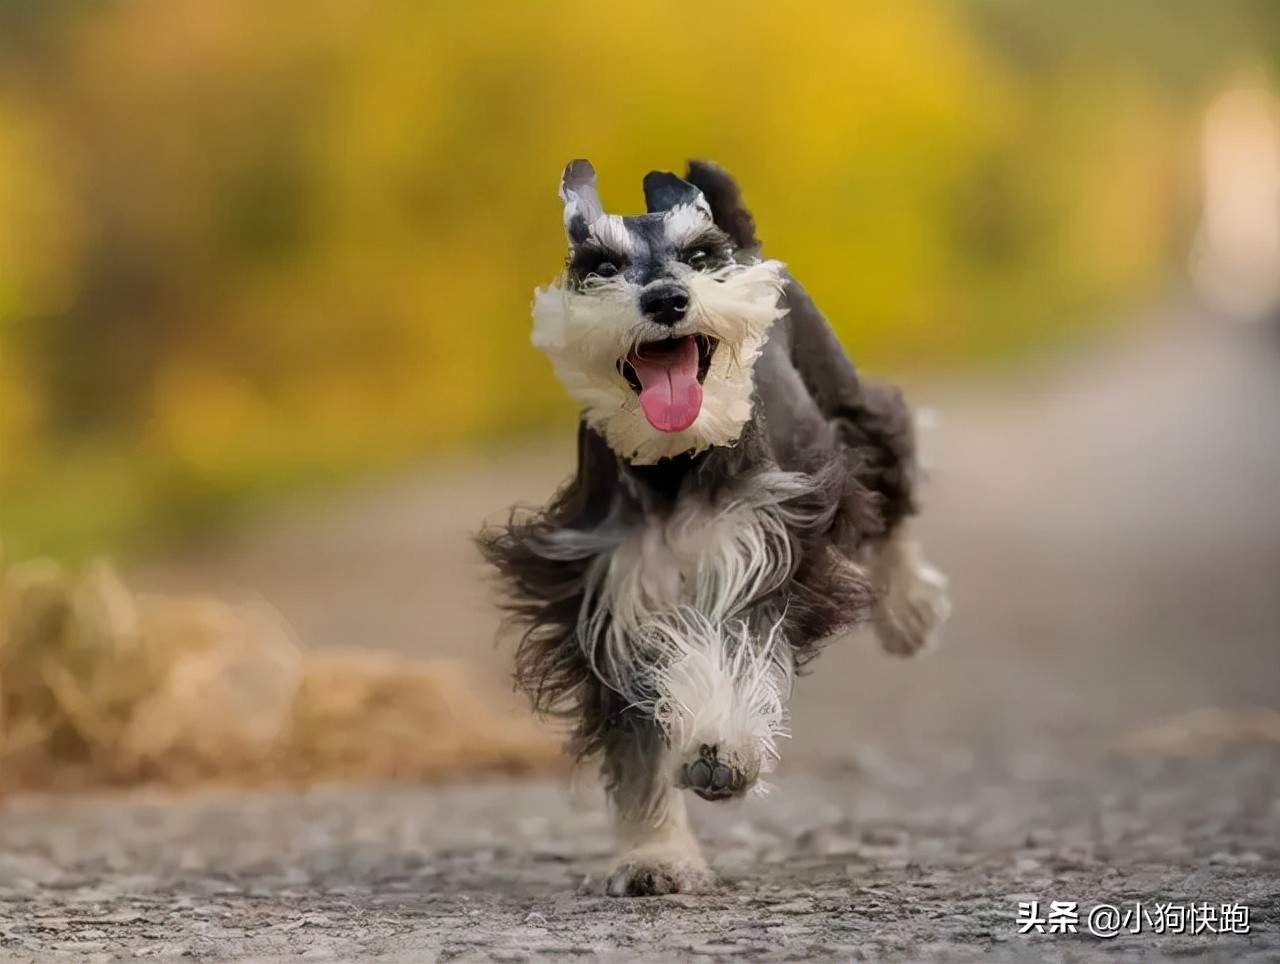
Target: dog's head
{"points": [[656, 322]]}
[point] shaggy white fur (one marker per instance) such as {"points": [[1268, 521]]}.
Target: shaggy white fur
{"points": [[669, 628], [723, 685], [585, 333], [686, 221], [612, 233]]}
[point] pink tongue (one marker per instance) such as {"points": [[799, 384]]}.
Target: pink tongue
{"points": [[669, 391]]}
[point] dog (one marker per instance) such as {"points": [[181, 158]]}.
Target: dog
{"points": [[741, 497]]}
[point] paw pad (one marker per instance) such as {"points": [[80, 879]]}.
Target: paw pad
{"points": [[712, 778]]}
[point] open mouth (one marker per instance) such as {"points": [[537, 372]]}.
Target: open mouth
{"points": [[667, 376]]}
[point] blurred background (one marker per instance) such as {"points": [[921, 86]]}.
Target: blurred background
{"points": [[266, 268], [252, 250]]}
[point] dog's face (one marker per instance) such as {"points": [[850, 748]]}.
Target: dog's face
{"points": [[656, 322]]}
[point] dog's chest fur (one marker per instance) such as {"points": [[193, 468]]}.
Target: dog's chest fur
{"points": [[687, 608], [713, 553], [685, 592]]}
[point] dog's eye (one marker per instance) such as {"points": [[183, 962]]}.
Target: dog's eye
{"points": [[698, 260], [591, 263]]}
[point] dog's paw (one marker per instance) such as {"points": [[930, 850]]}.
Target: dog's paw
{"points": [[713, 776], [639, 876], [913, 608]]}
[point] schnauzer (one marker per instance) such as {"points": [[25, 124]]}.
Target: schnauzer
{"points": [[741, 496]]}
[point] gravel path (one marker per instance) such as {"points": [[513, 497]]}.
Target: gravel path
{"points": [[847, 868], [1112, 530]]}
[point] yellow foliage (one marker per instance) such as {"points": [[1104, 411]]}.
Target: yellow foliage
{"points": [[248, 242]]}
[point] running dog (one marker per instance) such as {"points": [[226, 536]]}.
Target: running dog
{"points": [[741, 496]]}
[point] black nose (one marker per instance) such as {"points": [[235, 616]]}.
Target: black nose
{"points": [[665, 305]]}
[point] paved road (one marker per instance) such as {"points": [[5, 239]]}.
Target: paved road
{"points": [[853, 868], [1112, 530]]}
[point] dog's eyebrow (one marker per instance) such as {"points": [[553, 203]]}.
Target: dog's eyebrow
{"points": [[709, 237], [611, 233], [592, 249], [686, 223]]}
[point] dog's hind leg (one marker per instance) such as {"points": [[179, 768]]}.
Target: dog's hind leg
{"points": [[657, 852], [877, 427], [911, 595]]}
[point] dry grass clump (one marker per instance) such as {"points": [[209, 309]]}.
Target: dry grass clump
{"points": [[102, 687], [1203, 731]]}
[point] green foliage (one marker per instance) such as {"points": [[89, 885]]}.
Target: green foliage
{"points": [[253, 246]]}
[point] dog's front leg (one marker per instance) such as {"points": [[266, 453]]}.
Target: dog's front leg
{"points": [[657, 852]]}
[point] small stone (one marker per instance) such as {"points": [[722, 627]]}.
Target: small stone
{"points": [[1039, 837], [1076, 853], [163, 950], [718, 950], [70, 882], [883, 837], [789, 930], [124, 917], [558, 951], [510, 955]]}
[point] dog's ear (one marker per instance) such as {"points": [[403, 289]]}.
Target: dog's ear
{"points": [[664, 191], [582, 206], [727, 210]]}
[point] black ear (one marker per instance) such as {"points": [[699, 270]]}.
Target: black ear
{"points": [[727, 209], [581, 202], [663, 191]]}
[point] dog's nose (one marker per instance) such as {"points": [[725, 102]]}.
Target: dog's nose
{"points": [[666, 304]]}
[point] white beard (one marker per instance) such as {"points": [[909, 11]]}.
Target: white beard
{"points": [[584, 333]]}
